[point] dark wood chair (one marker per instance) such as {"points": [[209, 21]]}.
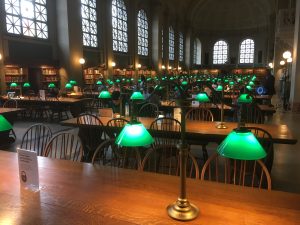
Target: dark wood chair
{"points": [[115, 123], [91, 136], [148, 110], [36, 138], [200, 114], [11, 103], [251, 173], [110, 154], [65, 146]]}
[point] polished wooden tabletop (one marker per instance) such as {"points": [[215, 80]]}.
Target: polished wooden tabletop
{"points": [[201, 129], [80, 193], [48, 100], [10, 110]]}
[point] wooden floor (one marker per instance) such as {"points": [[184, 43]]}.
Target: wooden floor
{"points": [[286, 167]]}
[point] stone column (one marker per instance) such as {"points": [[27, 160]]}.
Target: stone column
{"points": [[295, 76], [156, 36], [69, 38]]}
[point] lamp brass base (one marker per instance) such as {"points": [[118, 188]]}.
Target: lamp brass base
{"points": [[182, 210], [221, 126]]}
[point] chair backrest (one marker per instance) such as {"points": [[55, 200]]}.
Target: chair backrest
{"points": [[251, 114], [11, 103], [167, 161], [89, 119], [36, 138], [162, 138], [201, 114], [64, 146], [266, 140], [110, 154], [115, 123], [148, 110], [251, 173]]}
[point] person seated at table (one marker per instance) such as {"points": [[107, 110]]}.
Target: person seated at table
{"points": [[269, 84], [153, 97], [115, 101]]}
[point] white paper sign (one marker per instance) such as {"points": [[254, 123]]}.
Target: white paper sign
{"points": [[28, 169], [42, 94]]}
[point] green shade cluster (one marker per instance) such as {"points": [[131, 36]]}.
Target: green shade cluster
{"points": [[202, 97], [68, 86], [51, 85], [99, 82], [4, 124], [73, 82], [242, 145], [134, 135], [245, 98], [26, 85], [13, 85], [219, 88]]}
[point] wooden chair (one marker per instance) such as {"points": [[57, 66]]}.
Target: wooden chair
{"points": [[266, 140], [251, 114], [7, 138], [148, 110], [117, 123], [65, 146], [11, 103], [167, 161], [200, 114], [110, 154], [91, 137], [251, 173], [36, 138]]}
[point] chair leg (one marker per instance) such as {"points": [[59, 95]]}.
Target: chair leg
{"points": [[204, 152]]}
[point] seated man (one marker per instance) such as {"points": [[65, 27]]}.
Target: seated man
{"points": [[153, 97]]}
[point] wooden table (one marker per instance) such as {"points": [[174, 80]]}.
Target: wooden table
{"points": [[75, 104], [80, 193], [207, 130], [11, 113]]}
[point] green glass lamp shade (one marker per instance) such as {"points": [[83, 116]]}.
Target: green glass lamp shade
{"points": [[184, 83], [219, 88], [51, 85], [245, 98], [139, 80], [111, 83], [241, 144], [149, 79], [251, 83], [208, 79], [99, 82], [4, 124], [118, 80], [253, 78], [104, 95], [171, 78], [13, 85], [249, 87], [158, 87], [128, 80], [26, 85], [73, 82], [134, 135], [108, 80], [226, 81], [132, 79], [231, 83], [202, 97], [68, 86], [137, 96]]}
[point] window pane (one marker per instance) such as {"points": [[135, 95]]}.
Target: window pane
{"points": [[247, 46], [119, 26], [220, 52], [27, 17], [142, 25], [171, 43], [181, 47]]}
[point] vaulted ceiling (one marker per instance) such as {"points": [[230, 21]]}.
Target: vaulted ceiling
{"points": [[225, 14]]}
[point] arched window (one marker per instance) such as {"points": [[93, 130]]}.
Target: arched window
{"points": [[89, 23], [181, 48], [247, 51], [197, 52], [171, 43], [142, 25], [119, 26], [220, 54], [27, 17]]}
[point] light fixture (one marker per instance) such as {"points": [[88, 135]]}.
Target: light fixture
{"points": [[289, 60], [163, 67], [245, 98], [99, 82], [219, 88], [104, 95], [170, 67], [26, 85], [13, 85], [271, 65], [134, 134], [51, 85], [4, 124], [113, 64], [282, 62], [241, 144], [82, 61], [179, 68], [73, 82], [137, 96], [139, 66], [202, 97], [68, 86], [184, 83], [0, 56], [287, 54]]}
